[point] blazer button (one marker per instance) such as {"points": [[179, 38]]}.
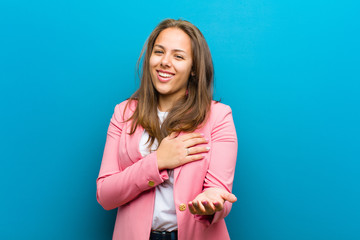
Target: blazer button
{"points": [[151, 183], [182, 207]]}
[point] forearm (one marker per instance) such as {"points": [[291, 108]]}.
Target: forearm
{"points": [[120, 187], [220, 174]]}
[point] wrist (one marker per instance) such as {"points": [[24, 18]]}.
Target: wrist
{"points": [[159, 162]]}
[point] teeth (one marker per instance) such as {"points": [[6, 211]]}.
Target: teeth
{"points": [[166, 75]]}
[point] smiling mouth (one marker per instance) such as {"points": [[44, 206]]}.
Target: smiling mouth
{"points": [[166, 75], [163, 76]]}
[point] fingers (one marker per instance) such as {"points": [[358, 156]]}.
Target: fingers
{"points": [[192, 158], [175, 150], [194, 141], [221, 194], [192, 208], [173, 135], [204, 207], [195, 150], [209, 207], [190, 139], [219, 205], [229, 197], [210, 201]]}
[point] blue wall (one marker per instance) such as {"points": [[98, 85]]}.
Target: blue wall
{"points": [[289, 70]]}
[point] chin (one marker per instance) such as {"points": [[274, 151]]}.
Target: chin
{"points": [[162, 92]]}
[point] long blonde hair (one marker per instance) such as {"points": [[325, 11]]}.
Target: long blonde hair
{"points": [[188, 112]]}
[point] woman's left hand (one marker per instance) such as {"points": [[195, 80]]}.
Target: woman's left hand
{"points": [[210, 201]]}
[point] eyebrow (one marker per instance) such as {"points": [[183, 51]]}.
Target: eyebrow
{"points": [[174, 50]]}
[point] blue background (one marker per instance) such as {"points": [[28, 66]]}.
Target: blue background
{"points": [[288, 69]]}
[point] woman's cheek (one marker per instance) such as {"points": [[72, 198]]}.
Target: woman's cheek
{"points": [[154, 61]]}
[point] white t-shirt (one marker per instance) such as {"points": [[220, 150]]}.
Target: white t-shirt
{"points": [[164, 218]]}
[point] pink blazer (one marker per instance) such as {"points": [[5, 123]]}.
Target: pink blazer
{"points": [[127, 180]]}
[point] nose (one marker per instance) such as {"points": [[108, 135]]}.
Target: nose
{"points": [[165, 61]]}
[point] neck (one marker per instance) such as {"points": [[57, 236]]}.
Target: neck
{"points": [[165, 104], [167, 101]]}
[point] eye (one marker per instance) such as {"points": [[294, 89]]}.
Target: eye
{"points": [[179, 57], [158, 52]]}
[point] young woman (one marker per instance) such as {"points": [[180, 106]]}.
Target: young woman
{"points": [[170, 153]]}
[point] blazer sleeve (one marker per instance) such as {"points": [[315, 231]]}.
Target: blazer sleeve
{"points": [[220, 173], [117, 186]]}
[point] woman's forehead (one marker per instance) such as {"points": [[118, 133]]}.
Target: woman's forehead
{"points": [[174, 39]]}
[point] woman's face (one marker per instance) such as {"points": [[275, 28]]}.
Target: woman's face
{"points": [[170, 63]]}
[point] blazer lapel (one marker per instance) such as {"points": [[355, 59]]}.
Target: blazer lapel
{"points": [[177, 173], [132, 143]]}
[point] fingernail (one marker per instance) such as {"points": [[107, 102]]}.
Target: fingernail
{"points": [[202, 134], [205, 203], [216, 203], [208, 148]]}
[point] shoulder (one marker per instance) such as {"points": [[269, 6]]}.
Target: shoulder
{"points": [[125, 109], [218, 108], [219, 114]]}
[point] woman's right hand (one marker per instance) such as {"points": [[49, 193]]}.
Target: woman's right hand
{"points": [[177, 150]]}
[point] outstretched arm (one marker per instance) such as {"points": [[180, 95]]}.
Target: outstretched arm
{"points": [[215, 202]]}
